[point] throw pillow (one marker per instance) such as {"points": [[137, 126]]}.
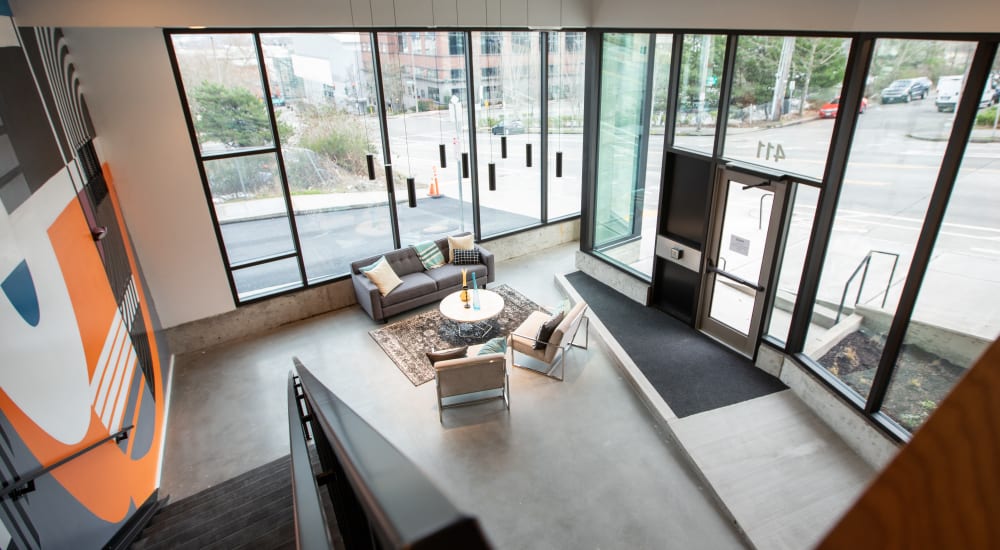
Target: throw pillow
{"points": [[466, 257], [445, 354], [545, 331], [429, 253], [462, 243], [496, 345], [381, 275]]}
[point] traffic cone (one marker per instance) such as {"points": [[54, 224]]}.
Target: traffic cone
{"points": [[433, 191]]}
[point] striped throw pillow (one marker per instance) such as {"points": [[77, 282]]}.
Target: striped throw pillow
{"points": [[466, 257], [429, 253]]}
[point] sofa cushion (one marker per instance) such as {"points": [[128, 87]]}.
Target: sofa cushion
{"points": [[429, 254], [415, 285], [382, 275], [404, 261], [496, 345], [464, 242], [466, 257], [545, 331]]}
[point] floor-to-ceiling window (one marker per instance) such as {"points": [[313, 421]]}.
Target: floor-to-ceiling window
{"points": [[635, 86], [298, 134], [893, 166], [416, 66], [507, 83], [224, 88], [567, 62]]}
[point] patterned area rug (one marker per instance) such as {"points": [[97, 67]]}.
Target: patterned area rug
{"points": [[407, 341]]}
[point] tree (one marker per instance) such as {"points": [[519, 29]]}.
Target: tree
{"points": [[819, 63], [232, 116]]}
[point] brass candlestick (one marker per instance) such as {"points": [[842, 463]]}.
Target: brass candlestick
{"points": [[464, 296]]}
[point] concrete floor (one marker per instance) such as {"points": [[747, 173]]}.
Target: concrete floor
{"points": [[574, 464]]}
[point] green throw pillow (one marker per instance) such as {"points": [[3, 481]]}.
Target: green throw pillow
{"points": [[496, 345], [429, 253]]}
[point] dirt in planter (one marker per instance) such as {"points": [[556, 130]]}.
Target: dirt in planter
{"points": [[921, 379]]}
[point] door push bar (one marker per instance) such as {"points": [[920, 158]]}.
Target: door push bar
{"points": [[737, 278]]}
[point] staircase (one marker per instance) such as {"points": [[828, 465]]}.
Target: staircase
{"points": [[253, 510]]}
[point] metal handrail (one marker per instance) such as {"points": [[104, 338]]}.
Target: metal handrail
{"points": [[22, 485], [311, 531], [865, 262]]}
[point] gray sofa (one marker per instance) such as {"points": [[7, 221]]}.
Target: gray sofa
{"points": [[420, 286]]}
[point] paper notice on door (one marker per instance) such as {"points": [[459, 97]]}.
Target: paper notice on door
{"points": [[739, 245]]}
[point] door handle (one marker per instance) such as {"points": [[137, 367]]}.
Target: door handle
{"points": [[736, 278]]}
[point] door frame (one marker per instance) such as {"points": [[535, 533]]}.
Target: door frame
{"points": [[776, 183]]}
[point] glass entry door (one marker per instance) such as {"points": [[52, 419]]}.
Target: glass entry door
{"points": [[745, 217]]}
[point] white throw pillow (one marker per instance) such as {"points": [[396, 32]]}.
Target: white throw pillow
{"points": [[382, 276], [460, 243]]}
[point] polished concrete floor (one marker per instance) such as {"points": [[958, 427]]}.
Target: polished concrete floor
{"points": [[574, 464]]}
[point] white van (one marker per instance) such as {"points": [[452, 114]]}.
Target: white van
{"points": [[949, 91]]}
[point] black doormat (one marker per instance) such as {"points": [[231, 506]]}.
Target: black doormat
{"points": [[691, 372]]}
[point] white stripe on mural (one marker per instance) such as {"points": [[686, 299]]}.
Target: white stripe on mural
{"points": [[116, 387], [105, 358], [117, 356]]}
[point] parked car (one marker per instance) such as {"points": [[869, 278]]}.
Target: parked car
{"points": [[829, 110], [906, 89], [949, 93], [506, 129]]}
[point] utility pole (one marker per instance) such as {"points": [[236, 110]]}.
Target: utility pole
{"points": [[781, 78]]}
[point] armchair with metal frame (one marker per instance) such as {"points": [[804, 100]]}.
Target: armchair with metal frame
{"points": [[551, 353], [471, 375]]}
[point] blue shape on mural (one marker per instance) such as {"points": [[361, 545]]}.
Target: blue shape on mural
{"points": [[5, 8], [20, 290]]}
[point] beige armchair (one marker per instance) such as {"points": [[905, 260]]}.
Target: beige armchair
{"points": [[552, 352], [469, 375]]}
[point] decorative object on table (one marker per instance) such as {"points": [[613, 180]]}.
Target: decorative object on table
{"points": [[475, 293], [552, 352], [465, 288], [407, 341]]}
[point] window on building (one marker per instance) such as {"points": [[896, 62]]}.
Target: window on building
{"points": [[565, 103], [456, 43], [491, 43]]}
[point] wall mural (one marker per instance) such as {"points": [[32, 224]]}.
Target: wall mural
{"points": [[80, 359]]}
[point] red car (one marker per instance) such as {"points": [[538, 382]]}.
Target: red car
{"points": [[829, 110]]}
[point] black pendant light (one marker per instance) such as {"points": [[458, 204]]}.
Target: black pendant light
{"points": [[493, 176], [444, 157], [503, 147], [465, 165], [527, 155], [371, 165], [558, 164], [411, 192]]}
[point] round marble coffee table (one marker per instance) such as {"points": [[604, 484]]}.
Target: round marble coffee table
{"points": [[468, 318]]}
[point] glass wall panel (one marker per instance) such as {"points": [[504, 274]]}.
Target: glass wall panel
{"points": [[507, 84], [324, 93], [698, 99], [780, 86], [618, 204], [957, 313], [270, 278], [793, 258], [566, 89], [894, 162], [247, 198], [415, 67], [222, 82]]}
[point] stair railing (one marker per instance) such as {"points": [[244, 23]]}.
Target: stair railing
{"points": [[863, 268], [380, 499], [311, 530], [24, 484]]}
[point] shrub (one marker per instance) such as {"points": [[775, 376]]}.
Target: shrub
{"points": [[986, 117]]}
